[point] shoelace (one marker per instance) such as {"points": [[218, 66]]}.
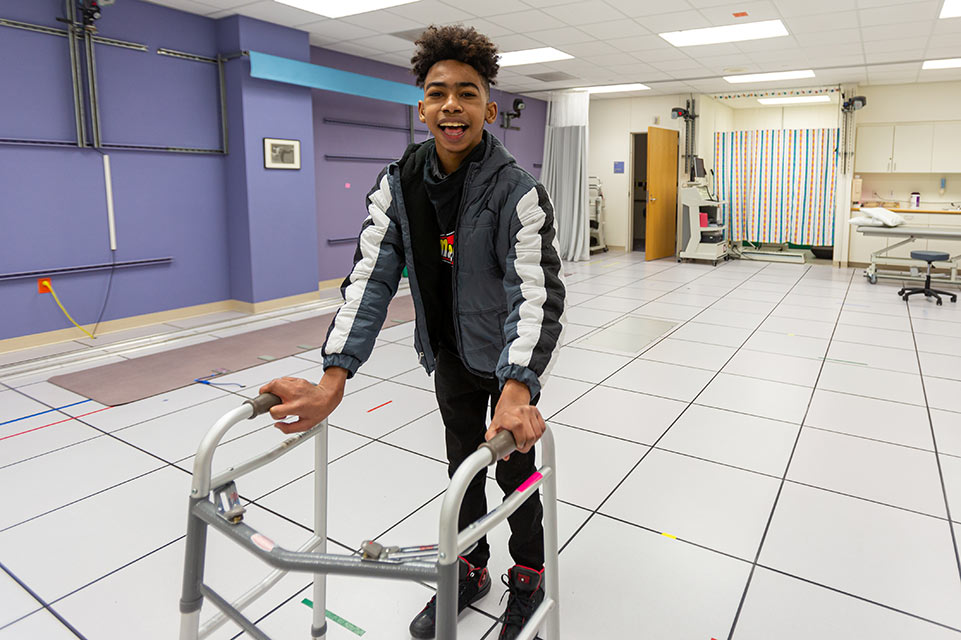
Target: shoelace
{"points": [[519, 608]]}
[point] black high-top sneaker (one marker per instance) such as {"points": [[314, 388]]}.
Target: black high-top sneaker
{"points": [[525, 590], [474, 584]]}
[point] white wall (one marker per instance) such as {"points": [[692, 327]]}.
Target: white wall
{"points": [[923, 102], [801, 117], [611, 123], [714, 116]]}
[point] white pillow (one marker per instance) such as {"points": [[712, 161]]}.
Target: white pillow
{"points": [[887, 217], [867, 222]]}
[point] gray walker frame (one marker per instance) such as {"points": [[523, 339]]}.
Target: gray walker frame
{"points": [[214, 502]]}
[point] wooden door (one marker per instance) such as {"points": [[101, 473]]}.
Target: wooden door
{"points": [[661, 193]]}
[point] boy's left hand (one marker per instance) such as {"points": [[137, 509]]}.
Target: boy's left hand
{"points": [[515, 413]]}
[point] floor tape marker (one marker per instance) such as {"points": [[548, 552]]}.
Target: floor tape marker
{"points": [[379, 406], [336, 618], [53, 423], [667, 535], [43, 412]]}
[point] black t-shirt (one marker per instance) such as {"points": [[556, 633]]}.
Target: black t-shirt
{"points": [[446, 194]]}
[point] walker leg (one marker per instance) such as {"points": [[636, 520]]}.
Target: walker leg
{"points": [[446, 621], [191, 599], [318, 628], [551, 568]]}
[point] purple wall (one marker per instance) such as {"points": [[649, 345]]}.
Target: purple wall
{"points": [[53, 209], [234, 229], [340, 210]]}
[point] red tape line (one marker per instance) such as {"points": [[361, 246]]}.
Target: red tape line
{"points": [[379, 406], [53, 423]]}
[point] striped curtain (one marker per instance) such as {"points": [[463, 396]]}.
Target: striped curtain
{"points": [[779, 185]]}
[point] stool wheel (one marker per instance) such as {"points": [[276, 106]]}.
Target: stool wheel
{"points": [[939, 302]]}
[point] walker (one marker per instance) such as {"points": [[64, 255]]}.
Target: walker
{"points": [[214, 502]]}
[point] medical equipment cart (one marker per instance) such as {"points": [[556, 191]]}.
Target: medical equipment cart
{"points": [[215, 503]]}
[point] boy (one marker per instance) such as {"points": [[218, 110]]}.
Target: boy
{"points": [[476, 233]]}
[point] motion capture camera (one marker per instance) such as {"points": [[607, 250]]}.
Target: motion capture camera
{"points": [[855, 103], [90, 10], [517, 107], [678, 112]]}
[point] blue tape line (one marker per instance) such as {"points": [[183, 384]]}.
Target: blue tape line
{"points": [[268, 67], [43, 412]]}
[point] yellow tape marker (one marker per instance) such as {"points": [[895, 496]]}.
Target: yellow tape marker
{"points": [[667, 535]]}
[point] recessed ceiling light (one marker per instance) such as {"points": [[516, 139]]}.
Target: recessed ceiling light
{"points": [[946, 63], [339, 9], [795, 100], [531, 56], [729, 33], [615, 88], [770, 77], [951, 9]]}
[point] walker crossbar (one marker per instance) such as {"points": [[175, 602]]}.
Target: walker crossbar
{"points": [[410, 564]]}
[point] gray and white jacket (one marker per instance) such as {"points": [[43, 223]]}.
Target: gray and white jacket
{"points": [[508, 293]]}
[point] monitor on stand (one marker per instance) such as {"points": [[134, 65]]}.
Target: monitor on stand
{"points": [[697, 169]]}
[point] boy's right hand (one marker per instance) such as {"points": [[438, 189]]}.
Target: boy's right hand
{"points": [[309, 402]]}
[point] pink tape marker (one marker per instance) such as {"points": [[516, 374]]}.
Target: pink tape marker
{"points": [[534, 478]]}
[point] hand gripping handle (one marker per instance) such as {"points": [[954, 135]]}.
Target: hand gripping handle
{"points": [[500, 446], [262, 403]]}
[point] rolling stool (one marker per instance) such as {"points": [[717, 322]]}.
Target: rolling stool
{"points": [[929, 257]]}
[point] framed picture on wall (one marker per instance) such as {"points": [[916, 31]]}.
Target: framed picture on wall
{"points": [[281, 154]]}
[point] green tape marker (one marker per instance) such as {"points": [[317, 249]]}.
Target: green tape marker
{"points": [[336, 618], [267, 358]]}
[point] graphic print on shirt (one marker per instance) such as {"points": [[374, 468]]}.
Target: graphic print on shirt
{"points": [[447, 248]]}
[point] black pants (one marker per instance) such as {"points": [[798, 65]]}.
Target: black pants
{"points": [[464, 400]]}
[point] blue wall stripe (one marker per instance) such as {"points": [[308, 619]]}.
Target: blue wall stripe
{"points": [[270, 67]]}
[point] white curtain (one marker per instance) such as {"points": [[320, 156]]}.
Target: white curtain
{"points": [[565, 171]]}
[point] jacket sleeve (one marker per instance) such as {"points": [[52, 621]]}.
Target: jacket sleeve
{"points": [[535, 293], [373, 280]]}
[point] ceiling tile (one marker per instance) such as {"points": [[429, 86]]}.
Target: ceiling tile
{"points": [[918, 31], [277, 13], [486, 8], [893, 56], [708, 52], [337, 30], [947, 26], [822, 8], [382, 22], [387, 44], [561, 36], [945, 40], [642, 43], [585, 49], [220, 4], [818, 61], [611, 59], [349, 47], [818, 23], [756, 11], [623, 28], [868, 4], [430, 12], [657, 55], [636, 9], [898, 44], [897, 14], [485, 27], [816, 39], [516, 42], [527, 21], [771, 45], [939, 75], [678, 21], [544, 3], [585, 12]]}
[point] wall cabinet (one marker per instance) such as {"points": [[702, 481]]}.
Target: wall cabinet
{"points": [[947, 148], [909, 148]]}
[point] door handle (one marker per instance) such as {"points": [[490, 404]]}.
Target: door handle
{"points": [[653, 199]]}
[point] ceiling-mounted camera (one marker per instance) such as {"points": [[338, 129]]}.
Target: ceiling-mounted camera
{"points": [[853, 104], [89, 10], [507, 116]]}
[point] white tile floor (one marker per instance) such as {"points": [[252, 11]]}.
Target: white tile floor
{"points": [[782, 460]]}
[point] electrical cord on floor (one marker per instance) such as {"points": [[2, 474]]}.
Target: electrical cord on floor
{"points": [[113, 268], [62, 308]]}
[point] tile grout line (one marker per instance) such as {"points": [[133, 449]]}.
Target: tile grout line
{"points": [[777, 497], [45, 606], [937, 456]]}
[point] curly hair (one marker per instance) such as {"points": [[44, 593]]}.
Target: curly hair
{"points": [[455, 42]]}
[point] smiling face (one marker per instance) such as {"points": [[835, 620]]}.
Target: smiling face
{"points": [[455, 108]]}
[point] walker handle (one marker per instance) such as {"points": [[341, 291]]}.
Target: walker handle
{"points": [[262, 403], [500, 446]]}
